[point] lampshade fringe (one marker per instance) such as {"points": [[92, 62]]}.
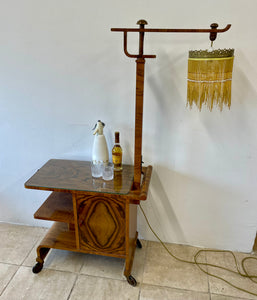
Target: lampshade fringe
{"points": [[209, 82]]}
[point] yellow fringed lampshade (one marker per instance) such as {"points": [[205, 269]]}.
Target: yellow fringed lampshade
{"points": [[209, 78]]}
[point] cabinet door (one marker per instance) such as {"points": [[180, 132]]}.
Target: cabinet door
{"points": [[101, 223]]}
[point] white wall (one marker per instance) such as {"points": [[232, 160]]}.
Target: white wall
{"points": [[61, 69]]}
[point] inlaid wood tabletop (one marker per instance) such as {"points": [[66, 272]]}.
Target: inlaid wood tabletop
{"points": [[75, 175]]}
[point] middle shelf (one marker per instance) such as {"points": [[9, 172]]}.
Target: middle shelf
{"points": [[57, 207]]}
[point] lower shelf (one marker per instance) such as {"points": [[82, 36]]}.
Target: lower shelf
{"points": [[60, 236]]}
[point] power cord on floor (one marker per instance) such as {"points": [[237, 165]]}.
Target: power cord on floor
{"points": [[200, 264]]}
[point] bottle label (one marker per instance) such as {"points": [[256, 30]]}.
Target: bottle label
{"points": [[116, 159]]}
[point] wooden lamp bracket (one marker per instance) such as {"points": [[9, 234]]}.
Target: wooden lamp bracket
{"points": [[140, 63]]}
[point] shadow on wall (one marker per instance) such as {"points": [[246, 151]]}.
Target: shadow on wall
{"points": [[166, 106], [159, 208], [184, 210], [236, 133], [242, 114], [168, 81], [243, 82], [217, 210]]}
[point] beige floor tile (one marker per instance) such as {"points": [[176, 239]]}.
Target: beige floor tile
{"points": [[30, 260], [6, 273], [48, 284], [149, 292], [111, 267], [163, 270], [60, 260], [17, 241], [218, 286], [222, 297], [64, 260], [139, 261], [95, 288], [103, 266]]}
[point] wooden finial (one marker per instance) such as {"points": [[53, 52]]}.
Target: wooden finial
{"points": [[142, 22], [213, 35]]}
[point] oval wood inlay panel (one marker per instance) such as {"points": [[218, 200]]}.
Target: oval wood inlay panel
{"points": [[101, 223], [102, 234]]}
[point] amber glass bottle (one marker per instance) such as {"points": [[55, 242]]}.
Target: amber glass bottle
{"points": [[117, 181], [117, 153]]}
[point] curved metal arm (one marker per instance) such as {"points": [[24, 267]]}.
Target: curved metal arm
{"points": [[133, 55], [214, 31], [125, 46], [224, 29]]}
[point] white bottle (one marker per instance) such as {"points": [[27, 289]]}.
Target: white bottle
{"points": [[100, 150]]}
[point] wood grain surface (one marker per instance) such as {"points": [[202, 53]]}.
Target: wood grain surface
{"points": [[101, 223], [73, 175]]}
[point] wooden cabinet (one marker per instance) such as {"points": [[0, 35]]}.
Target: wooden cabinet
{"points": [[91, 215]]}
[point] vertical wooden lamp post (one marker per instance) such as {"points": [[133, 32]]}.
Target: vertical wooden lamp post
{"points": [[140, 74]]}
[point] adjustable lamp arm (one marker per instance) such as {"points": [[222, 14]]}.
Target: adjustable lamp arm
{"points": [[140, 62], [141, 30]]}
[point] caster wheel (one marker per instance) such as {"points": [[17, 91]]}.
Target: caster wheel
{"points": [[37, 268], [131, 280], [139, 245]]}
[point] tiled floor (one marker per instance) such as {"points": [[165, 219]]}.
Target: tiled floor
{"points": [[74, 276]]}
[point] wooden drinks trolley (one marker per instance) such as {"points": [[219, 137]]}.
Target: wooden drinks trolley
{"points": [[91, 215]]}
